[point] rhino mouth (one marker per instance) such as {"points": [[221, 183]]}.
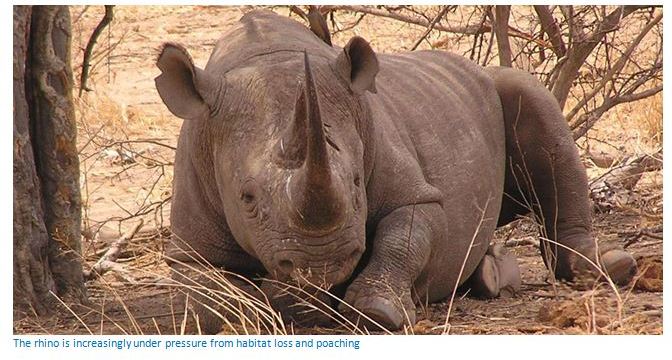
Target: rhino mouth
{"points": [[322, 274], [317, 277]]}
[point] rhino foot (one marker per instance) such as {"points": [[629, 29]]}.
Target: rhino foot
{"points": [[618, 264], [497, 275], [381, 311], [372, 309]]}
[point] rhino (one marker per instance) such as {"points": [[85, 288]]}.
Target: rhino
{"points": [[382, 175]]}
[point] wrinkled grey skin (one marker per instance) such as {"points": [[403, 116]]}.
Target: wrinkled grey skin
{"points": [[378, 174]]}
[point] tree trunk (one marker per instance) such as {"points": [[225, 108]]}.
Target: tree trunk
{"points": [[47, 205]]}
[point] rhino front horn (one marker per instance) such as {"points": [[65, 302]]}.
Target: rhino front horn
{"points": [[317, 201]]}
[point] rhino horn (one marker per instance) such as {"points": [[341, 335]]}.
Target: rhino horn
{"points": [[318, 201]]}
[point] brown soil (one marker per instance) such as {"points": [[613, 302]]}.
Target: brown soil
{"points": [[124, 105]]}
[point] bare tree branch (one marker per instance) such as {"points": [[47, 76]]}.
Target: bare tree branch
{"points": [[618, 66], [551, 28], [640, 95], [349, 27], [583, 45], [490, 42], [501, 26], [586, 121], [107, 18], [469, 29], [465, 29], [478, 38]]}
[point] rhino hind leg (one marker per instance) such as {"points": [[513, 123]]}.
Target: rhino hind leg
{"points": [[545, 176], [497, 275]]}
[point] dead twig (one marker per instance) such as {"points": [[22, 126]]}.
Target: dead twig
{"points": [[633, 236], [430, 27], [347, 28], [108, 261]]}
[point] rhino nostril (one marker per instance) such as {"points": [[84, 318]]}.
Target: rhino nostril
{"points": [[286, 266]]}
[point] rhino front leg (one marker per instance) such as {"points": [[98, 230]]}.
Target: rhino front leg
{"points": [[401, 249]]}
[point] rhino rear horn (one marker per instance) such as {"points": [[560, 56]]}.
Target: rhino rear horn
{"points": [[358, 65], [187, 90]]}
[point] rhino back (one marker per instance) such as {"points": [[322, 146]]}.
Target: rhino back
{"points": [[260, 33]]}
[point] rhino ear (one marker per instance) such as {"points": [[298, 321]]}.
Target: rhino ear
{"points": [[183, 87], [358, 65]]}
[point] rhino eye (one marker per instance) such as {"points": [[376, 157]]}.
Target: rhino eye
{"points": [[247, 193], [247, 198]]}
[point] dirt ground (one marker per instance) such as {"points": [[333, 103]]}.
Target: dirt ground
{"points": [[125, 141]]}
